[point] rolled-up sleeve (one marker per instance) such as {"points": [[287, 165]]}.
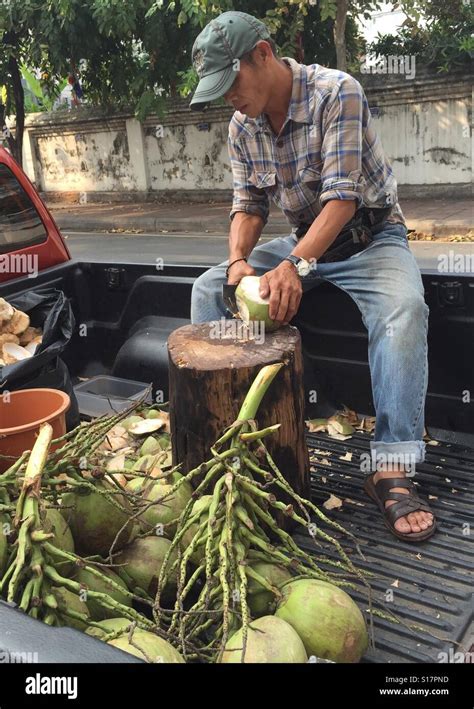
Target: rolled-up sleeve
{"points": [[341, 151], [247, 197]]}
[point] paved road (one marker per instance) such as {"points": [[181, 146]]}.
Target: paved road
{"points": [[205, 250]]}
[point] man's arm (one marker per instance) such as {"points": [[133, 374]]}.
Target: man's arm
{"points": [[325, 228], [244, 233]]}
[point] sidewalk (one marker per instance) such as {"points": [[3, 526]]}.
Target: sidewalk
{"points": [[437, 218]]}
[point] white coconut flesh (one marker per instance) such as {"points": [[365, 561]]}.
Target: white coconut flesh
{"points": [[251, 305]]}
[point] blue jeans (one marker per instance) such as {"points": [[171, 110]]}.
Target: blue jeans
{"points": [[385, 283]]}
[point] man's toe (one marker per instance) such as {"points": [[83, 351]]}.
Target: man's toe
{"points": [[401, 525]]}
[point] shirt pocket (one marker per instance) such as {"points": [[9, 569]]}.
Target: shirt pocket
{"points": [[263, 180]]}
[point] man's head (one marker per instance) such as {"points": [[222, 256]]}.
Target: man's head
{"points": [[234, 57]]}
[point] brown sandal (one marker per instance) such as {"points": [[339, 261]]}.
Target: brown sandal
{"points": [[404, 503]]}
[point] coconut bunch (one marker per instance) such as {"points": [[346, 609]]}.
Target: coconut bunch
{"points": [[237, 572], [106, 536], [18, 340], [40, 569]]}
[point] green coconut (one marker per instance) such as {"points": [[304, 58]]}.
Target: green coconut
{"points": [[69, 601], [94, 521], [55, 523], [261, 601], [165, 441], [269, 640], [201, 507], [153, 414], [168, 510], [129, 421], [251, 306], [148, 646], [92, 583], [326, 618], [150, 446], [142, 560], [109, 625]]}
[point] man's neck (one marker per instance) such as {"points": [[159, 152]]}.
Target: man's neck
{"points": [[276, 109]]}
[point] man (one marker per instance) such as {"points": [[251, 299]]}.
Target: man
{"points": [[303, 137]]}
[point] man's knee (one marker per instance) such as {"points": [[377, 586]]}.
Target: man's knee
{"points": [[209, 281]]}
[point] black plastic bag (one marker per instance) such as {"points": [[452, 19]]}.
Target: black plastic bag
{"points": [[50, 310]]}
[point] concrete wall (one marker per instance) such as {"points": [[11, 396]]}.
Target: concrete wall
{"points": [[424, 124]]}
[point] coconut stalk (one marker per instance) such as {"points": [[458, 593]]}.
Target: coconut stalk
{"points": [[238, 525]]}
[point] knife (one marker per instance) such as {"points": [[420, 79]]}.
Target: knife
{"points": [[228, 295]]}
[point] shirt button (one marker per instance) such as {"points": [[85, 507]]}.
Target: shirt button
{"points": [[279, 143]]}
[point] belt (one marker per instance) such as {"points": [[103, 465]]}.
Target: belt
{"points": [[355, 236]]}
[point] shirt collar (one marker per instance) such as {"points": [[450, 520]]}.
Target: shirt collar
{"points": [[298, 110]]}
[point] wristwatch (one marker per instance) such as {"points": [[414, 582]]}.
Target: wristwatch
{"points": [[302, 266]]}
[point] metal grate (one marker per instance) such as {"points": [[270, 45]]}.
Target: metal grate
{"points": [[433, 579]]}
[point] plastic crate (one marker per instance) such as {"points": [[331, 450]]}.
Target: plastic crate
{"points": [[106, 395]]}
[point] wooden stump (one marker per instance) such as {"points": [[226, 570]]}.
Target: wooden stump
{"points": [[209, 377]]}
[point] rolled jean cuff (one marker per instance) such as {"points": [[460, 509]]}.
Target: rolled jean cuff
{"points": [[405, 453]]}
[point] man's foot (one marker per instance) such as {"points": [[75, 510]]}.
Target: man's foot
{"points": [[412, 522], [405, 514]]}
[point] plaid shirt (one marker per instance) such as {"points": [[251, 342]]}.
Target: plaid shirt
{"points": [[327, 149]]}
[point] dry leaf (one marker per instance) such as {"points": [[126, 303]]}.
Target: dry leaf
{"points": [[354, 502], [333, 503], [432, 443], [347, 456], [316, 425], [432, 497], [418, 556], [325, 461], [395, 583], [454, 491], [334, 433], [324, 480], [447, 480]]}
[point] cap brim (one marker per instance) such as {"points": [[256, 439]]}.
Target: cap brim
{"points": [[212, 87]]}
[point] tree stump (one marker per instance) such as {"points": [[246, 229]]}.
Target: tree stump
{"points": [[209, 377]]}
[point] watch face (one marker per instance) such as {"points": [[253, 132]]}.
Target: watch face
{"points": [[304, 267]]}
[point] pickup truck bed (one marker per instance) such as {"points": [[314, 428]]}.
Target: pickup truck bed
{"points": [[129, 311], [433, 580]]}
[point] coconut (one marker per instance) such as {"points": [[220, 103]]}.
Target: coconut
{"points": [[92, 583], [201, 507], [94, 521], [14, 353], [153, 414], [129, 421], [143, 560], [165, 441], [109, 625], [150, 446], [7, 311], [55, 523], [168, 510], [251, 306], [68, 601], [30, 334], [260, 600], [269, 640], [148, 646], [326, 618], [18, 323], [141, 428]]}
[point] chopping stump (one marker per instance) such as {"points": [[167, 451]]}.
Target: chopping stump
{"points": [[209, 376]]}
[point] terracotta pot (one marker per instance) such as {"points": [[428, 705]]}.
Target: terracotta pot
{"points": [[21, 414]]}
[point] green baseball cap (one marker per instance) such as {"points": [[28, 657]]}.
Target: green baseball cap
{"points": [[215, 50]]}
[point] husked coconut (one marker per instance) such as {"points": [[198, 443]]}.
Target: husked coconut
{"points": [[30, 334], [252, 307], [18, 323], [9, 337], [14, 353], [6, 311]]}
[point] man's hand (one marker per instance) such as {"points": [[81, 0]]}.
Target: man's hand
{"points": [[283, 285], [238, 271]]}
